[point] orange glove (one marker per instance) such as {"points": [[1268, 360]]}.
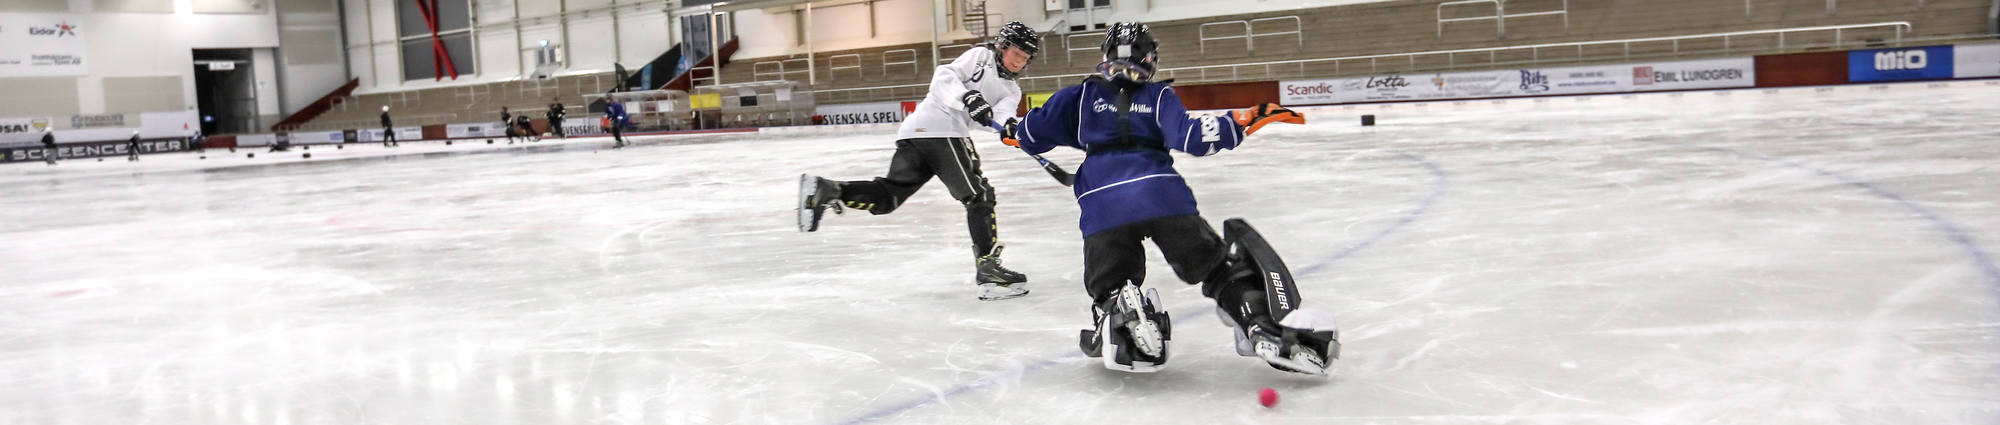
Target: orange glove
{"points": [[1255, 118]]}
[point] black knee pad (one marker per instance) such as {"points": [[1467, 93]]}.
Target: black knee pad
{"points": [[982, 201]]}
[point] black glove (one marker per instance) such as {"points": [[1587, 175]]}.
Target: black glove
{"points": [[1007, 132], [975, 105]]}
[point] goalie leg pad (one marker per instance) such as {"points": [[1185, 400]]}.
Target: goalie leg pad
{"points": [[1132, 332]]}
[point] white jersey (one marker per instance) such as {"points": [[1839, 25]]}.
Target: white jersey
{"points": [[942, 113]]}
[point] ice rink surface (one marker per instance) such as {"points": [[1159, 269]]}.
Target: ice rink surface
{"points": [[1800, 256]]}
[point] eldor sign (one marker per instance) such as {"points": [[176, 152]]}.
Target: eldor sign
{"points": [[42, 45]]}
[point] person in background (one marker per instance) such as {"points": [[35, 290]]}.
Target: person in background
{"points": [[556, 114], [49, 145], [388, 132], [614, 116], [132, 146]]}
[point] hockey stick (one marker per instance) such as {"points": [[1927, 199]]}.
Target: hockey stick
{"points": [[1054, 170]]}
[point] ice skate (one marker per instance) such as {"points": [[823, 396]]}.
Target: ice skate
{"points": [[816, 195], [1131, 333], [1307, 341], [996, 282]]}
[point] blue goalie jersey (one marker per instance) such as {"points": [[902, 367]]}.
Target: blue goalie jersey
{"points": [[1132, 179]]}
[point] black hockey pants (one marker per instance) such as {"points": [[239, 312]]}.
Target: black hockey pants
{"points": [[951, 160]]}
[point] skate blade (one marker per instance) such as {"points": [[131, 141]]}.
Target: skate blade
{"points": [[1111, 360], [1146, 334], [807, 221], [1300, 363], [992, 292]]}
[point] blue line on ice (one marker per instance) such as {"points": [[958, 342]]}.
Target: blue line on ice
{"points": [[1440, 184]]}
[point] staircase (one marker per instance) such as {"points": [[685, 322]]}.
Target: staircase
{"points": [[318, 107], [704, 70], [974, 19]]}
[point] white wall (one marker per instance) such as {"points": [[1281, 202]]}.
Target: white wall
{"points": [[306, 80], [264, 63], [143, 44], [595, 40], [771, 32]]}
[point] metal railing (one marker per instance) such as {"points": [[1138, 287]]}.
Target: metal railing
{"points": [[1202, 37], [1249, 32], [832, 67], [369, 124], [1500, 15], [1069, 45], [912, 62], [945, 58], [776, 71], [1237, 72], [1202, 73]]}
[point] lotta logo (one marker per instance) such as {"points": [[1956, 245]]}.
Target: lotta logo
{"points": [[60, 30]]}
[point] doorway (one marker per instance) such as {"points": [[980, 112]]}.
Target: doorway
{"points": [[226, 91]]}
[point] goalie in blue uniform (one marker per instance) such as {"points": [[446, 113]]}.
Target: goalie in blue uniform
{"points": [[1128, 192]]}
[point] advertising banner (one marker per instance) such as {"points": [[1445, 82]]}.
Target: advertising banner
{"points": [[573, 127], [92, 149], [317, 137], [1976, 61], [1681, 75], [861, 113], [1690, 75], [461, 131], [22, 131], [1913, 63], [42, 45]]}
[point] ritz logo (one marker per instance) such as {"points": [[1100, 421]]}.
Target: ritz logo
{"points": [[1534, 81], [60, 30], [1901, 60]]}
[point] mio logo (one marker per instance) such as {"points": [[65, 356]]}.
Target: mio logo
{"points": [[1901, 60], [1278, 287]]}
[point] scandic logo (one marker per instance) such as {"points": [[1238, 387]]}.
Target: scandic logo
{"points": [[1321, 88]]}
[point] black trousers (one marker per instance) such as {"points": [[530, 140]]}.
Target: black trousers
{"points": [[388, 136], [952, 161], [555, 126], [1113, 256]]}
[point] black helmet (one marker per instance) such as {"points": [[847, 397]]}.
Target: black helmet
{"points": [[1129, 52], [1021, 37]]}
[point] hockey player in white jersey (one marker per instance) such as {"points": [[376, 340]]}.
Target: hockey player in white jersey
{"points": [[971, 92]]}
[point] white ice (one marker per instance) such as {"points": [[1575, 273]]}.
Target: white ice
{"points": [[1800, 256]]}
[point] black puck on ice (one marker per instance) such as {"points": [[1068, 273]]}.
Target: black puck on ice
{"points": [[447, 143], [340, 146], [251, 155], [308, 156], [203, 157], [1367, 120], [489, 141], [306, 147]]}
